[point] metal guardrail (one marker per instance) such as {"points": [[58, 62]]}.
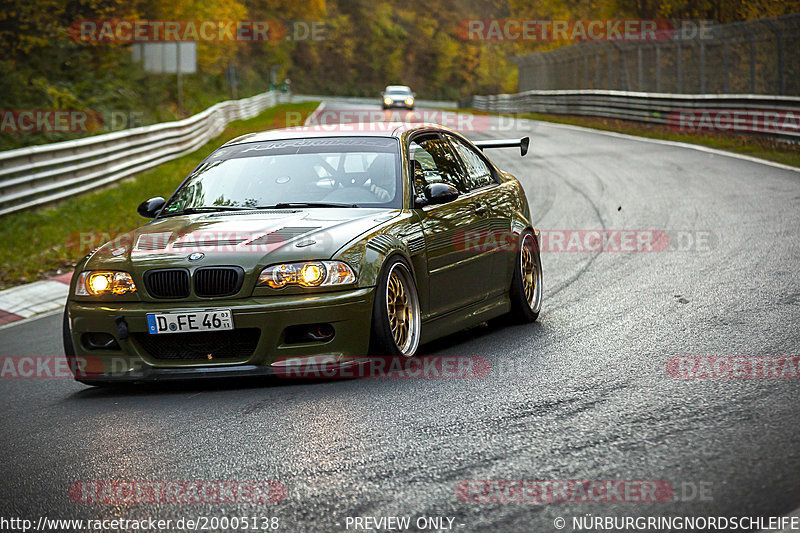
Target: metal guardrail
{"points": [[657, 108], [41, 174]]}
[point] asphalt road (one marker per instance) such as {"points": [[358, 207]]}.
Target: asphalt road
{"points": [[582, 394]]}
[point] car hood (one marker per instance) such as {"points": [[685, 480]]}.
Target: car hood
{"points": [[239, 238]]}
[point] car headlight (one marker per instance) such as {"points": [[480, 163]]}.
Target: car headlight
{"points": [[387, 101], [307, 274], [410, 101], [98, 282]]}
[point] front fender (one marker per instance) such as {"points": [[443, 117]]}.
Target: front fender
{"points": [[369, 254]]}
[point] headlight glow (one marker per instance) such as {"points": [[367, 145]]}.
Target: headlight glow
{"points": [[98, 282], [307, 274], [387, 101], [410, 101], [313, 274]]}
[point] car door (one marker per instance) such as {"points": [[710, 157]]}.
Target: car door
{"points": [[457, 277], [493, 205]]}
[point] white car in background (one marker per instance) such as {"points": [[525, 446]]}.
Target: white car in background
{"points": [[397, 96]]}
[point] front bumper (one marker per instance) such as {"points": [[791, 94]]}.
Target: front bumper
{"points": [[348, 312], [401, 104]]}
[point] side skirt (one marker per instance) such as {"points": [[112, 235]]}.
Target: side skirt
{"points": [[465, 318]]}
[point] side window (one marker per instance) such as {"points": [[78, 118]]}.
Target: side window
{"points": [[478, 172], [438, 163]]}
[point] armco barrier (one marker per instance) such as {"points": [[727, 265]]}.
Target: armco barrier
{"points": [[772, 116], [38, 175]]}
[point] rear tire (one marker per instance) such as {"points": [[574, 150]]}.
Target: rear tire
{"points": [[396, 322], [66, 336], [526, 284]]}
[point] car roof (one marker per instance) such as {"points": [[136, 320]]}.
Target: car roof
{"points": [[361, 129], [397, 88]]}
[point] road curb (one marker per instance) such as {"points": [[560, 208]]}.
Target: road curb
{"points": [[33, 299]]}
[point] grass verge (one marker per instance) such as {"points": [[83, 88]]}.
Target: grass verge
{"points": [[752, 145], [47, 241]]}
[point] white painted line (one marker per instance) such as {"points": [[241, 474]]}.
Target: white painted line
{"points": [[697, 147], [314, 114]]}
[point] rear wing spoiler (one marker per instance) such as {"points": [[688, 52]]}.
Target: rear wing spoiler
{"points": [[505, 143]]}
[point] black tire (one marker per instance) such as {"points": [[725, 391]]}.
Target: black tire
{"points": [[382, 337], [525, 309], [69, 348]]}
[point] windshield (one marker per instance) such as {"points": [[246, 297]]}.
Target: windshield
{"points": [[346, 171]]}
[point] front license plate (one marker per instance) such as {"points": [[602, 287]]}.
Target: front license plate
{"points": [[208, 320]]}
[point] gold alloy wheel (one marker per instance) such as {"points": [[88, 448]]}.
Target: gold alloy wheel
{"points": [[402, 309], [531, 274]]}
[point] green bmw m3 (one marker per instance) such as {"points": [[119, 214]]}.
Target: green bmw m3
{"points": [[290, 245]]}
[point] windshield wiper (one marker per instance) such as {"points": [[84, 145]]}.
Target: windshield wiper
{"points": [[206, 209], [284, 205]]}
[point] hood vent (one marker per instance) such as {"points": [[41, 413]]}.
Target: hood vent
{"points": [[152, 241], [282, 235], [202, 243], [254, 212]]}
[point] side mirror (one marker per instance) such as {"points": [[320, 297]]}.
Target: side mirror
{"points": [[440, 193], [150, 208]]}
